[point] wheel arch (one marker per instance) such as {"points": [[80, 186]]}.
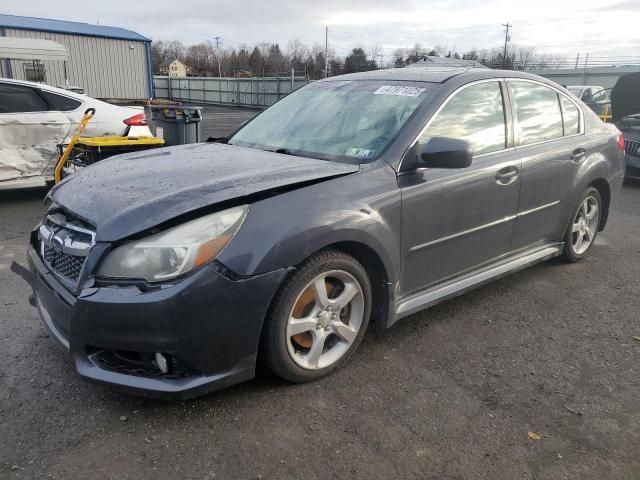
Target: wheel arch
{"points": [[604, 189], [378, 276], [379, 271]]}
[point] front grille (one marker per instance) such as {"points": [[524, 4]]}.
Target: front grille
{"points": [[632, 148], [64, 246], [65, 265]]}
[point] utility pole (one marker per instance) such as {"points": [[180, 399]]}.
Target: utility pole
{"points": [[381, 60], [218, 43], [577, 60], [584, 74], [326, 52], [506, 39]]}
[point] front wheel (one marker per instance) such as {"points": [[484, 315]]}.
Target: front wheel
{"points": [[583, 226], [318, 318]]}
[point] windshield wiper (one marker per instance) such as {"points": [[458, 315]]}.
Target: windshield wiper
{"points": [[285, 151]]}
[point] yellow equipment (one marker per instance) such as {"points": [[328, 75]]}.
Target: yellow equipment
{"points": [[606, 113], [84, 151], [57, 173]]}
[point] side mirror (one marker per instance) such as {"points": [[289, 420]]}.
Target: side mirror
{"points": [[445, 152]]}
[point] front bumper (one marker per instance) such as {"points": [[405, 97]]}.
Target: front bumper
{"points": [[208, 323]]}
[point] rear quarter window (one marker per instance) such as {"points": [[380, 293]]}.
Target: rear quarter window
{"points": [[570, 116]]}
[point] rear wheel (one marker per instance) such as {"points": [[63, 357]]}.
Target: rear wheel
{"points": [[318, 318], [583, 227]]}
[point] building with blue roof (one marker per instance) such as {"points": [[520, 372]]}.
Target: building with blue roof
{"points": [[107, 62]]}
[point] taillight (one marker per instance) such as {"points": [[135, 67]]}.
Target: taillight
{"points": [[621, 141], [139, 120]]}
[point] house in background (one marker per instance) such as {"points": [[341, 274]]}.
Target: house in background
{"points": [[175, 69]]}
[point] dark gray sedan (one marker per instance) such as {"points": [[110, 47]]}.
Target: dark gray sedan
{"points": [[356, 200]]}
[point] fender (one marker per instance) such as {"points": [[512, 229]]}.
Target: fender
{"points": [[362, 208]]}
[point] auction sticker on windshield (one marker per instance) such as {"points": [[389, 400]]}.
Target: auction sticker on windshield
{"points": [[360, 152], [399, 91]]}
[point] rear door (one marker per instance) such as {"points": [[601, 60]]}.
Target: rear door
{"points": [[548, 130], [454, 220], [29, 132]]}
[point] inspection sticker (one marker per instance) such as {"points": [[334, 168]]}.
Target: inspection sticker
{"points": [[400, 91], [360, 152]]}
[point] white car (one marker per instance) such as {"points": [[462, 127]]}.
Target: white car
{"points": [[36, 118], [585, 92]]}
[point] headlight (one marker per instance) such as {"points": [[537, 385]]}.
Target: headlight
{"points": [[175, 251]]}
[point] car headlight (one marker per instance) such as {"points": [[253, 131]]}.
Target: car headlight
{"points": [[175, 251]]}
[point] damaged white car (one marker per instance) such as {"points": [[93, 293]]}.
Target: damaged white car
{"points": [[36, 118]]}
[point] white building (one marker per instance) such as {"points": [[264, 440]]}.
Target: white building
{"points": [[107, 62]]}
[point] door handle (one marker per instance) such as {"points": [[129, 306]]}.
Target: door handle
{"points": [[507, 175], [578, 154]]}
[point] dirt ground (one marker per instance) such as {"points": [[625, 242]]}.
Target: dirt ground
{"points": [[450, 393]]}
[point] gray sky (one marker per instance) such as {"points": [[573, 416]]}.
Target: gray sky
{"points": [[603, 28]]}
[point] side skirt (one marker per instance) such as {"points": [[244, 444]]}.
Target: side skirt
{"points": [[426, 298]]}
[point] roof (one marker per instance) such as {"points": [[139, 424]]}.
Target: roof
{"points": [[429, 60], [435, 74], [70, 28], [31, 49], [424, 74], [43, 86]]}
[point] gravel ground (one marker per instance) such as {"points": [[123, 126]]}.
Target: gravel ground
{"points": [[450, 393]]}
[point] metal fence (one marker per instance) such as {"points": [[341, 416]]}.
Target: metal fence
{"points": [[602, 76], [246, 92]]}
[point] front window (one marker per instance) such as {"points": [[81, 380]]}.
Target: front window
{"points": [[20, 99], [345, 120], [474, 114]]}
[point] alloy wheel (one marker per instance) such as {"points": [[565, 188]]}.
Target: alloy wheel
{"points": [[585, 225], [325, 320]]}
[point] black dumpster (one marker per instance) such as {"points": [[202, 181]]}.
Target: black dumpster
{"points": [[176, 124]]}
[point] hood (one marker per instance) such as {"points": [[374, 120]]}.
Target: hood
{"points": [[625, 97], [130, 193]]}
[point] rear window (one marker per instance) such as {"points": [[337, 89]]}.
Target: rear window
{"points": [[538, 114], [20, 99], [60, 102]]}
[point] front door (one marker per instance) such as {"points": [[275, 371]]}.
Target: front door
{"points": [[454, 220], [29, 132]]}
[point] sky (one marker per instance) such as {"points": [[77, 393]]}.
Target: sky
{"points": [[604, 29]]}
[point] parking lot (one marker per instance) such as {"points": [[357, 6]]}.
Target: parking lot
{"points": [[532, 377]]}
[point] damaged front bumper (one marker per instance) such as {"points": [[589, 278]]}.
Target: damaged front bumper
{"points": [[206, 327]]}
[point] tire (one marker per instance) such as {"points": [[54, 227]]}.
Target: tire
{"points": [[318, 349], [573, 249]]}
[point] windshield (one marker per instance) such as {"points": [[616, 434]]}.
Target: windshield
{"points": [[338, 120]]}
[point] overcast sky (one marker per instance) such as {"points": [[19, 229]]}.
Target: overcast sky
{"points": [[602, 28]]}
